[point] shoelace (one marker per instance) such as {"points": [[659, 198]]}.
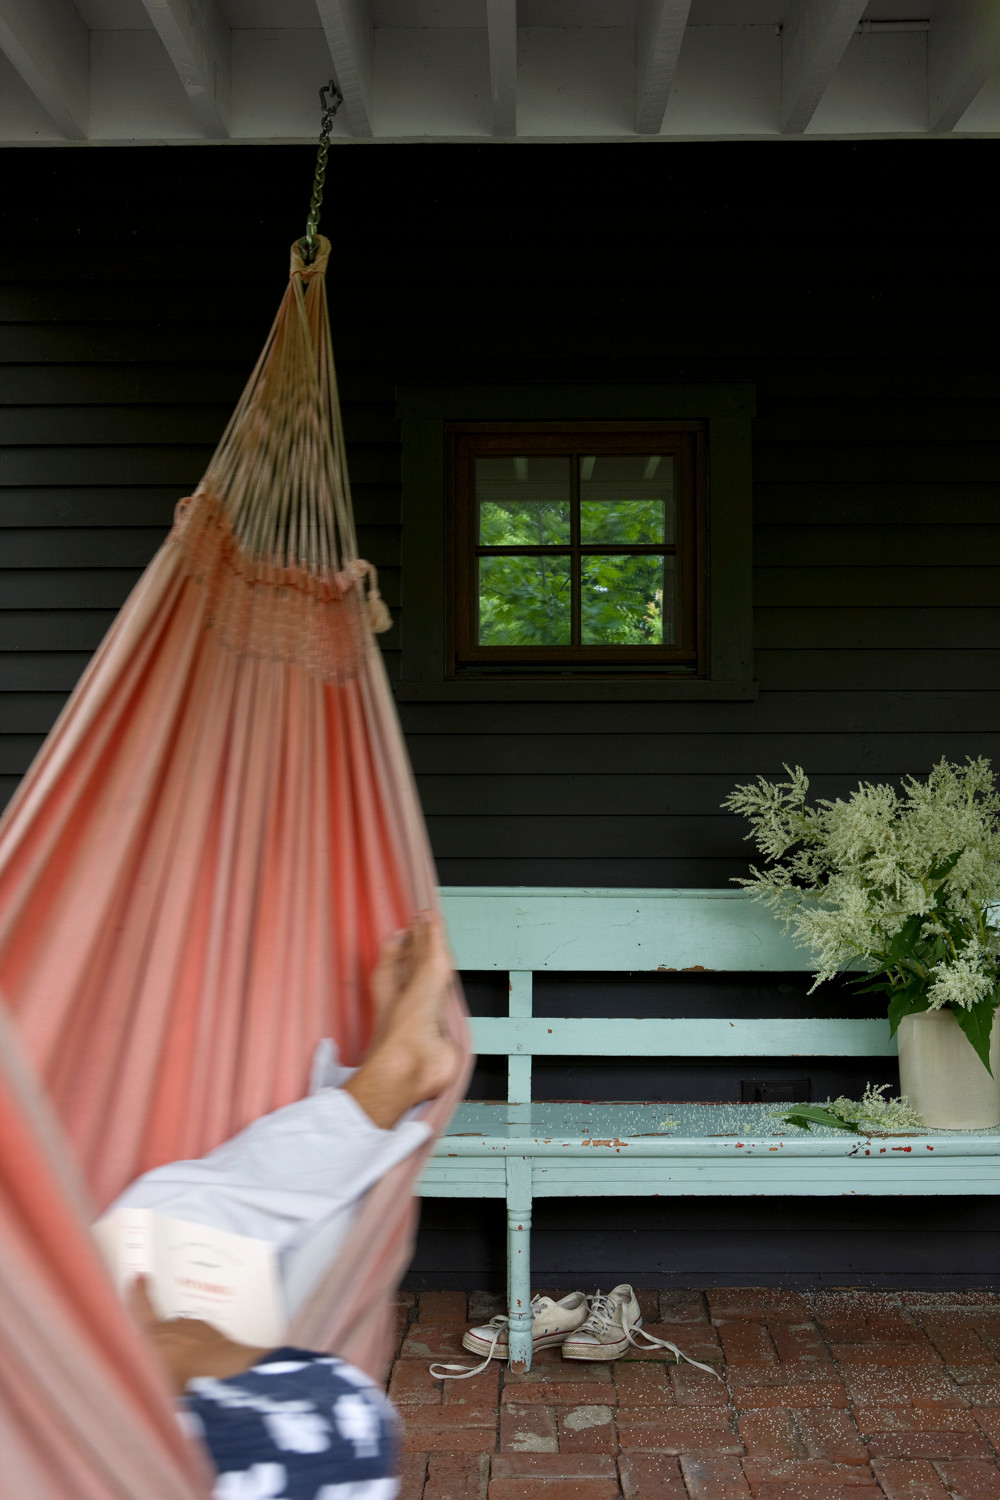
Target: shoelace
{"points": [[462, 1372], [604, 1317]]}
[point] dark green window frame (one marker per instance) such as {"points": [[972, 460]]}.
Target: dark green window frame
{"points": [[431, 665]]}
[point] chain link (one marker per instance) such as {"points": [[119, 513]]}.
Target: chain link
{"points": [[329, 107]]}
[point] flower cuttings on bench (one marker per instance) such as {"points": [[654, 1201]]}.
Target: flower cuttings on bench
{"points": [[902, 883], [869, 1115]]}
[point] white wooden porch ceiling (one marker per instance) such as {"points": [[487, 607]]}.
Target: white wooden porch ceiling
{"points": [[151, 71]]}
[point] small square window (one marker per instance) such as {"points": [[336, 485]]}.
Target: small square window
{"points": [[579, 548]]}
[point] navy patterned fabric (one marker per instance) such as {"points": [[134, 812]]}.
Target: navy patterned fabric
{"points": [[298, 1426]]}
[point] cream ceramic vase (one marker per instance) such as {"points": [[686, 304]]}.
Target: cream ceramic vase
{"points": [[941, 1074]]}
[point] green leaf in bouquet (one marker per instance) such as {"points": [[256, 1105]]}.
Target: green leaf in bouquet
{"points": [[905, 940], [942, 870], [977, 1023], [806, 1115], [908, 1001]]}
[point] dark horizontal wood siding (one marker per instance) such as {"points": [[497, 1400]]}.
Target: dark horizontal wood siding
{"points": [[136, 287]]}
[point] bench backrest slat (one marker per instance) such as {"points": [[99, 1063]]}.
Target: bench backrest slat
{"points": [[681, 1036], [614, 931]]}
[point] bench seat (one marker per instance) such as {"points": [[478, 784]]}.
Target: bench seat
{"points": [[621, 1149]]}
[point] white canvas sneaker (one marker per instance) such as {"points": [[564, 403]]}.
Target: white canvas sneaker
{"points": [[551, 1322], [605, 1334], [614, 1323]]}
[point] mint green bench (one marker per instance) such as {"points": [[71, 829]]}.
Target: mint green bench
{"points": [[523, 1148]]}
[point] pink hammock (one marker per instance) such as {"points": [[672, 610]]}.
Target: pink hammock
{"points": [[198, 869]]}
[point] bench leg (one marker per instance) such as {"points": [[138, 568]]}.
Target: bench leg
{"points": [[519, 1262]]}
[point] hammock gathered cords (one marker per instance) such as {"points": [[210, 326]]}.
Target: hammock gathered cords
{"points": [[198, 870]]}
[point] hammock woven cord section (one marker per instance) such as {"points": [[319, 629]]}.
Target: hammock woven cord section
{"points": [[198, 870]]}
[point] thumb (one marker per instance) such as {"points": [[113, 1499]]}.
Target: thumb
{"points": [[140, 1304]]}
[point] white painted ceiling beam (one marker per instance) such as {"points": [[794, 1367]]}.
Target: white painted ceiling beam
{"points": [[349, 28], [197, 40], [659, 32], [501, 28], [814, 39], [963, 50], [49, 45]]}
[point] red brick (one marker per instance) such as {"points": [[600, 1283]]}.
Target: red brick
{"points": [[909, 1419], [796, 1397], [457, 1476], [485, 1305], [887, 1352], [554, 1489], [812, 1477], [971, 1479], [412, 1385], [897, 1388], [443, 1307], [562, 1369], [831, 1435], [987, 1394], [989, 1332], [456, 1429], [640, 1384], [412, 1472], [976, 1374], [746, 1339], [714, 1478], [847, 1330], [651, 1476], [782, 1372], [854, 1490], [769, 1434], [553, 1466], [587, 1429], [697, 1341], [436, 1341], [988, 1419], [678, 1430], [798, 1341], [958, 1345], [682, 1306], [770, 1304], [482, 1390], [978, 1298], [909, 1479], [527, 1429], [694, 1387], [447, 1439], [648, 1298], [441, 1417], [562, 1393], [934, 1445], [406, 1299]]}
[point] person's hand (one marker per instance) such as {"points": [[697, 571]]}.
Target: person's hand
{"points": [[186, 1347]]}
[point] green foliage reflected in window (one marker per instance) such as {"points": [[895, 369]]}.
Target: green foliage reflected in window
{"points": [[627, 499], [523, 502], [524, 601], [623, 601]]}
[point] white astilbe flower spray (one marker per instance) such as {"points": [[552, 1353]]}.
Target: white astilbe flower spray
{"points": [[893, 883]]}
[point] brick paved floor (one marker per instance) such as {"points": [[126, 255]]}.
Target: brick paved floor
{"points": [[834, 1395]]}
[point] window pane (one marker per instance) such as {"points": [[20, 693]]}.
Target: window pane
{"points": [[627, 601], [523, 502], [524, 601], [627, 498]]}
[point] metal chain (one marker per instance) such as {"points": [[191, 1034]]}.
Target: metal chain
{"points": [[329, 107]]}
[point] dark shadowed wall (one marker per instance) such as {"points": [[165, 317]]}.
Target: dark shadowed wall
{"points": [[851, 285]]}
